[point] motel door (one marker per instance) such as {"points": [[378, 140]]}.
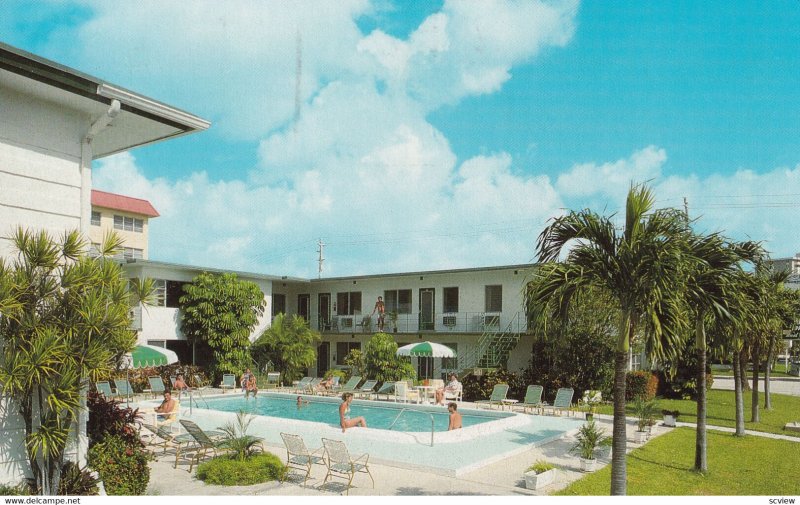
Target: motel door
{"points": [[323, 358], [303, 303], [426, 305], [324, 300]]}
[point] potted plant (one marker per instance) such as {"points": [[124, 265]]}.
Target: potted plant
{"points": [[591, 399], [670, 417], [588, 440], [393, 319], [645, 413], [539, 475]]}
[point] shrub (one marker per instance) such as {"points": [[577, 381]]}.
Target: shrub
{"points": [[588, 440], [381, 361], [641, 383], [335, 372], [540, 466], [122, 467], [138, 376], [228, 471], [108, 418], [21, 489], [645, 410], [480, 387], [76, 481]]}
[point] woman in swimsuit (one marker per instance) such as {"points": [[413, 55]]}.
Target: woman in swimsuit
{"points": [[344, 414]]}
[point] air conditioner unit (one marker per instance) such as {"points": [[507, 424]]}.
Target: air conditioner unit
{"points": [[449, 320], [490, 321], [345, 322]]}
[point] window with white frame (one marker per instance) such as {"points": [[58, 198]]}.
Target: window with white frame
{"points": [[397, 300], [94, 250], [449, 300], [160, 292], [348, 303], [128, 223], [95, 218], [494, 298], [636, 361], [130, 253]]}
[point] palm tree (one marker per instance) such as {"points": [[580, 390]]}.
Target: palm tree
{"points": [[289, 343], [710, 273], [639, 269]]}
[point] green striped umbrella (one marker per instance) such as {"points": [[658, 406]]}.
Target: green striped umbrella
{"points": [[149, 355], [426, 349]]}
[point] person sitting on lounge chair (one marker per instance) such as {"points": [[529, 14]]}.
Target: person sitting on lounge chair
{"points": [[452, 387], [344, 414], [325, 385], [180, 383], [251, 386], [455, 417], [167, 408]]}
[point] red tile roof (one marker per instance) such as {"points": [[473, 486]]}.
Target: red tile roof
{"points": [[123, 203]]}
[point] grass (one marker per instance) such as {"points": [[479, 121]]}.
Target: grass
{"points": [[227, 471], [664, 466], [779, 370], [720, 411]]}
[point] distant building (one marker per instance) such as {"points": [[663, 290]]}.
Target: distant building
{"points": [[791, 264], [126, 216]]}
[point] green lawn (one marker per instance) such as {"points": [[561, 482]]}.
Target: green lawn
{"points": [[664, 467], [779, 370], [721, 411]]}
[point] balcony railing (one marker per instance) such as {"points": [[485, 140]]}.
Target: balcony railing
{"points": [[448, 322]]}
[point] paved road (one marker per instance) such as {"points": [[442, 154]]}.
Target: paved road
{"points": [[782, 385]]}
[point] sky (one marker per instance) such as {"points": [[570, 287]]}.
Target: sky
{"points": [[431, 135]]}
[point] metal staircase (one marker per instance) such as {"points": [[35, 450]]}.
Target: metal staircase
{"points": [[492, 348]]}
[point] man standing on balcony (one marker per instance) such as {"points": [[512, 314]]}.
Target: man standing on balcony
{"points": [[380, 308]]}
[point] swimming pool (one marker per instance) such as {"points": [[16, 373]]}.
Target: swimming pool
{"points": [[382, 416]]}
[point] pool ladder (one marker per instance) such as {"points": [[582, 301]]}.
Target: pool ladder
{"points": [[192, 399], [414, 410]]}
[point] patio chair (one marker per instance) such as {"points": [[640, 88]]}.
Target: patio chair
{"points": [[298, 456], [273, 380], [228, 382], [351, 386], [124, 388], [367, 388], [386, 389], [499, 393], [533, 398], [162, 437], [562, 402], [404, 393], [163, 418], [104, 388], [340, 464], [205, 442], [156, 385], [457, 395], [311, 387], [301, 386]]}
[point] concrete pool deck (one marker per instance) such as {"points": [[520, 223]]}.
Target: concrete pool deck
{"points": [[501, 477]]}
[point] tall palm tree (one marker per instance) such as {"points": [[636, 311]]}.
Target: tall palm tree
{"points": [[710, 274], [639, 268]]}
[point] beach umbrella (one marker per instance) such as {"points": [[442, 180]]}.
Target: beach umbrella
{"points": [[149, 355], [426, 350]]}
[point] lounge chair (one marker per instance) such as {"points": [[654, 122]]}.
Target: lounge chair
{"points": [[340, 464], [162, 437], [301, 386], [205, 442], [311, 387], [104, 388], [533, 398], [457, 395], [387, 389], [351, 386], [562, 402], [499, 393], [228, 382], [124, 388], [273, 380], [404, 393], [156, 385], [163, 418], [367, 388], [298, 456]]}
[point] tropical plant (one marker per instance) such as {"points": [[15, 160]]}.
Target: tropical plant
{"points": [[77, 481], [639, 268], [588, 440], [218, 313], [226, 471], [381, 361], [355, 363], [710, 273], [108, 418], [540, 466], [645, 410], [64, 321], [479, 387], [290, 344], [122, 467], [236, 438]]}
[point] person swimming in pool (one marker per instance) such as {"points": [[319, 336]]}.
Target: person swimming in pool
{"points": [[344, 414]]}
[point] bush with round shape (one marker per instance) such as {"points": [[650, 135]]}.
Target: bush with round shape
{"points": [[230, 471], [480, 387], [122, 467], [641, 383]]}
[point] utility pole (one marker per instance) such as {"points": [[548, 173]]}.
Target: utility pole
{"points": [[686, 208], [320, 250]]}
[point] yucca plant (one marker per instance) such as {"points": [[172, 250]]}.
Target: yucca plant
{"points": [[588, 440], [236, 438]]}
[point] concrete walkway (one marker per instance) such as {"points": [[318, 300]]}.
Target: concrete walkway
{"points": [[780, 385]]}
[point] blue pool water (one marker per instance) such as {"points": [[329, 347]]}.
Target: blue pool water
{"points": [[377, 416]]}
